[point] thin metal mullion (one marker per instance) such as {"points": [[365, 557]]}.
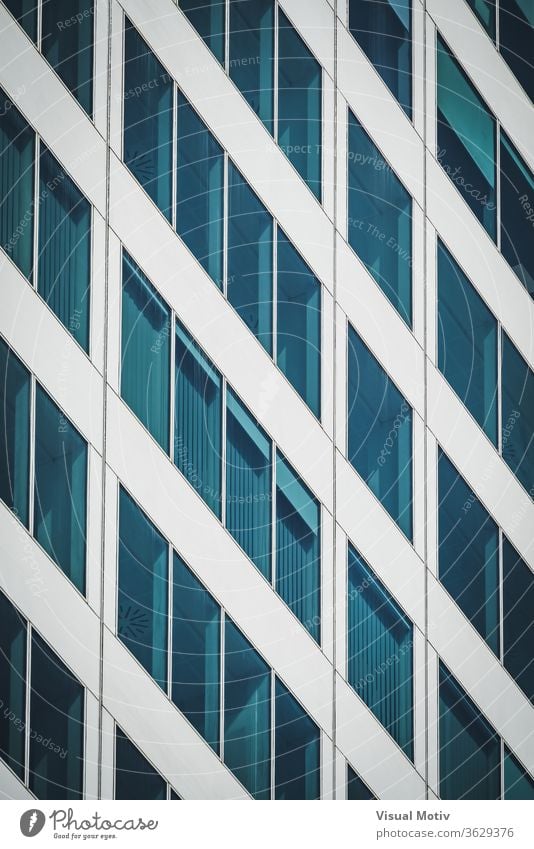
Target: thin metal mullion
{"points": [[226, 171], [275, 73], [272, 753], [274, 311], [37, 174], [169, 618], [501, 599], [31, 470], [221, 688], [227, 37], [40, 26], [498, 182], [224, 390], [172, 388], [273, 515], [499, 389], [27, 705], [174, 166]]}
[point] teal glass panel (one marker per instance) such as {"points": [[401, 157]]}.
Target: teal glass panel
{"points": [[356, 789], [518, 619], [517, 414], [25, 11], [14, 433], [297, 746], [67, 42], [517, 213], [12, 687], [135, 777], [518, 784], [516, 23], [485, 12], [208, 18], [251, 62]]}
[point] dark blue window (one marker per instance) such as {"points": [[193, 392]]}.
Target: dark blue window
{"points": [[143, 589], [200, 190], [56, 714], [485, 12], [14, 433], [60, 489], [467, 343], [196, 652], [148, 121], [298, 341], [17, 154], [145, 364], [297, 749], [247, 713], [518, 784], [252, 54], [466, 139], [299, 104], [12, 687], [517, 414], [516, 20], [64, 273], [383, 30], [380, 652], [469, 748], [208, 18], [25, 11], [380, 219], [379, 433], [356, 789], [198, 419], [67, 43], [518, 621], [517, 213], [135, 778], [468, 552]]}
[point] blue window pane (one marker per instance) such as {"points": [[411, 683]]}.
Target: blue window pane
{"points": [[299, 104], [12, 686], [298, 547], [145, 363], [518, 622], [468, 552], [380, 652], [60, 511], [247, 713], [56, 714], [485, 12], [17, 154], [384, 32], [135, 778], [356, 789], [14, 433], [469, 748], [64, 273], [143, 589], [467, 343], [466, 139], [196, 653], [517, 213], [252, 54], [207, 16], [250, 258], [298, 341], [297, 749], [148, 96], [248, 484], [518, 414], [200, 191], [518, 784], [380, 219], [379, 433], [25, 11], [198, 419], [67, 42], [516, 20]]}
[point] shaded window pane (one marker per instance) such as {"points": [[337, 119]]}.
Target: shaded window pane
{"points": [[57, 715], [356, 789], [143, 592], [12, 686], [298, 340], [64, 274], [135, 778], [17, 154], [250, 258], [247, 713], [198, 419], [518, 621], [67, 43], [207, 16], [518, 784], [148, 96], [297, 749], [517, 213], [516, 20], [383, 30], [196, 652], [145, 363], [485, 12], [252, 54], [60, 512], [380, 219], [298, 546], [469, 748], [380, 652], [25, 11], [200, 190], [467, 343], [466, 139], [379, 433], [518, 414], [299, 104], [468, 552], [248, 484], [14, 433]]}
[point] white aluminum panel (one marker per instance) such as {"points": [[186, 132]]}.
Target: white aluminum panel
{"points": [[94, 529], [108, 756], [100, 77], [328, 612], [328, 159], [419, 700], [314, 21], [91, 765], [10, 786], [433, 722]]}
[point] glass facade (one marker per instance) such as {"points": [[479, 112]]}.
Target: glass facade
{"points": [[517, 782], [67, 43], [297, 748], [25, 11], [14, 433], [518, 622], [208, 18], [12, 687], [251, 66], [356, 789], [516, 20], [135, 778], [517, 213], [485, 10], [517, 414]]}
